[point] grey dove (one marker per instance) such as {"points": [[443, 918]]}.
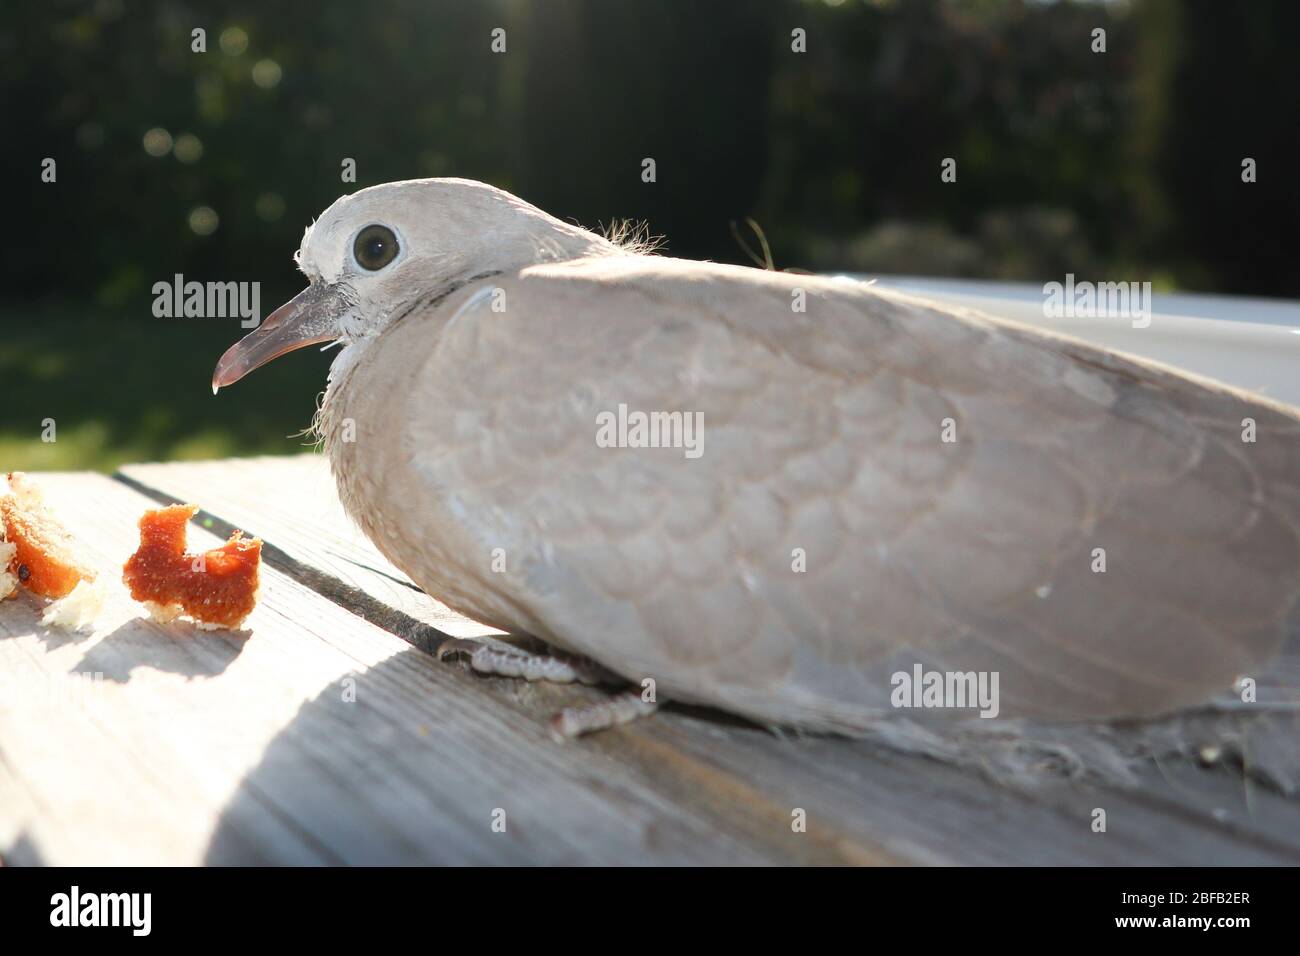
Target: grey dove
{"points": [[878, 483]]}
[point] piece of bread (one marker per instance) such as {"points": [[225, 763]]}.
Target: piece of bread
{"points": [[216, 588], [44, 557]]}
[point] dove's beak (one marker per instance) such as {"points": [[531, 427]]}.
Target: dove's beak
{"points": [[311, 317]]}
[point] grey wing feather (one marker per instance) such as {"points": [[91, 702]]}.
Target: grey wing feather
{"points": [[824, 436]]}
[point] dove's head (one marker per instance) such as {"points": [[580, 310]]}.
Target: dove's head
{"points": [[384, 250]]}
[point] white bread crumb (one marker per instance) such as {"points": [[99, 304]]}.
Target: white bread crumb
{"points": [[166, 613], [162, 613], [79, 608], [8, 580]]}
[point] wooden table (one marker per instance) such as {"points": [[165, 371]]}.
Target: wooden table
{"points": [[326, 733]]}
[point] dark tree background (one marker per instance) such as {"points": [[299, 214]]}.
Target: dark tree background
{"points": [[1122, 165]]}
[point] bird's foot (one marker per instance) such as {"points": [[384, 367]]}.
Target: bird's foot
{"points": [[621, 708], [486, 659]]}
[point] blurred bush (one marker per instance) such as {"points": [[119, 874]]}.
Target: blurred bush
{"points": [[832, 150], [1123, 164]]}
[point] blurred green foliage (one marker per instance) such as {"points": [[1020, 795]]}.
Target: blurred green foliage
{"points": [[122, 388], [1124, 164]]}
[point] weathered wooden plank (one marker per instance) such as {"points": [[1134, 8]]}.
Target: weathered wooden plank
{"points": [[936, 813], [314, 737], [864, 803]]}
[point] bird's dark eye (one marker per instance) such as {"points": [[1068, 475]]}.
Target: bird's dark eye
{"points": [[376, 247]]}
